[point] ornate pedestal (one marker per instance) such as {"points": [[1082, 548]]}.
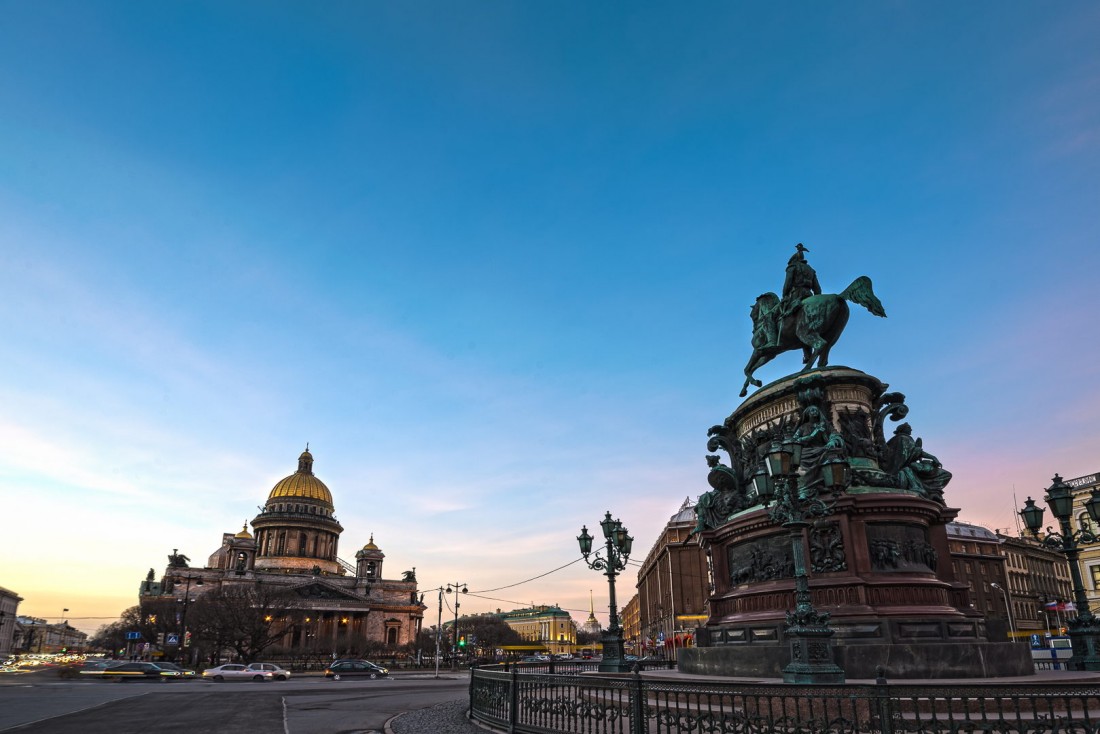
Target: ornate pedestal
{"points": [[878, 563]]}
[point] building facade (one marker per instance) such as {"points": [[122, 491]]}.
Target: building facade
{"points": [[550, 626], [293, 549], [673, 587], [1037, 577], [9, 606], [1011, 580], [33, 635], [979, 562], [632, 626]]}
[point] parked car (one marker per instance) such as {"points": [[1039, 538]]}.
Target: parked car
{"points": [[136, 670], [236, 671], [340, 669], [275, 670]]}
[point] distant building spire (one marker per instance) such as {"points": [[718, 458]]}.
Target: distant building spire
{"points": [[591, 624]]}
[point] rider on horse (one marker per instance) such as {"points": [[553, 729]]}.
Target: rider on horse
{"points": [[815, 319], [801, 282]]}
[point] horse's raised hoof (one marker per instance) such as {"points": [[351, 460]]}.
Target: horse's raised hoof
{"points": [[758, 383], [744, 392]]}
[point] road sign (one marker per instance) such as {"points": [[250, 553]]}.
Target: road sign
{"points": [[133, 635], [173, 639]]}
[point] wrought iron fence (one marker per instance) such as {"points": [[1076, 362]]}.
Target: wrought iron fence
{"points": [[520, 701]]}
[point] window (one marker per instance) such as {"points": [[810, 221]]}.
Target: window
{"points": [[1095, 571], [1084, 522]]}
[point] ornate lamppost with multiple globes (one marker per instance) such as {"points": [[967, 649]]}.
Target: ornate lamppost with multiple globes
{"points": [[1084, 631], [617, 545], [807, 630]]}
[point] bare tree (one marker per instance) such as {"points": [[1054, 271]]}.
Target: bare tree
{"points": [[247, 618]]}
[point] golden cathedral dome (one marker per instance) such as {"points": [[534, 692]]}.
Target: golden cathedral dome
{"points": [[370, 544], [302, 484], [244, 534]]}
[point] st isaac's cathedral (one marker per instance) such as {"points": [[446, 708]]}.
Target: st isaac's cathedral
{"points": [[293, 548]]}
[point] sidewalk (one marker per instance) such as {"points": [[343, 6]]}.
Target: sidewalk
{"points": [[446, 718]]}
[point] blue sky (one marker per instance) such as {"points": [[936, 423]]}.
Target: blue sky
{"points": [[494, 263]]}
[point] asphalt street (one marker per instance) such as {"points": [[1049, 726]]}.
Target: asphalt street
{"points": [[301, 706]]}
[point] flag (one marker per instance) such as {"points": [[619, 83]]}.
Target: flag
{"points": [[1051, 605], [1068, 607]]}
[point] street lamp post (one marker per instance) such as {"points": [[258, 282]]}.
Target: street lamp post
{"points": [[617, 551], [438, 631], [811, 638], [455, 587], [1008, 609], [1046, 621], [1084, 631], [186, 602]]}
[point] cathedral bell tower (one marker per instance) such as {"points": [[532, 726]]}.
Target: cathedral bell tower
{"points": [[368, 562]]}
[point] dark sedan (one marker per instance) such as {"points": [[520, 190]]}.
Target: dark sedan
{"points": [[354, 669]]}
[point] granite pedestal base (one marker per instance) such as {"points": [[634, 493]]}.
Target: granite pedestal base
{"points": [[901, 661]]}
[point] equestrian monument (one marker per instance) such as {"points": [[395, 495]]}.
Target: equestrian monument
{"points": [[825, 525]]}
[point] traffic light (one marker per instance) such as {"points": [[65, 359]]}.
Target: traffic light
{"points": [[160, 638], [462, 641], [186, 639]]}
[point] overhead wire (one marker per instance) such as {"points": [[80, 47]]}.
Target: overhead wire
{"points": [[479, 594], [533, 578]]}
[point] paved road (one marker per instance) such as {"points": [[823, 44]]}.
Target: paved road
{"points": [[303, 706]]}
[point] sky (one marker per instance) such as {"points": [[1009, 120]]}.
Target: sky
{"points": [[494, 262]]}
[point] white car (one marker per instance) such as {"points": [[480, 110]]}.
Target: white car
{"points": [[236, 671], [275, 670]]}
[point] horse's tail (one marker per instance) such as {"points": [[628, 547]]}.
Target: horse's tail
{"points": [[861, 292]]}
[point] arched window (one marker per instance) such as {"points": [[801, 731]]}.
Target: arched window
{"points": [[301, 544], [1084, 522]]}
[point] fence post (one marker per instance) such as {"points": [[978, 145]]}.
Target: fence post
{"points": [[513, 704], [637, 704], [883, 703]]}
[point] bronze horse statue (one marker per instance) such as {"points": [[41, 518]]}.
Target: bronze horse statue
{"points": [[814, 327]]}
